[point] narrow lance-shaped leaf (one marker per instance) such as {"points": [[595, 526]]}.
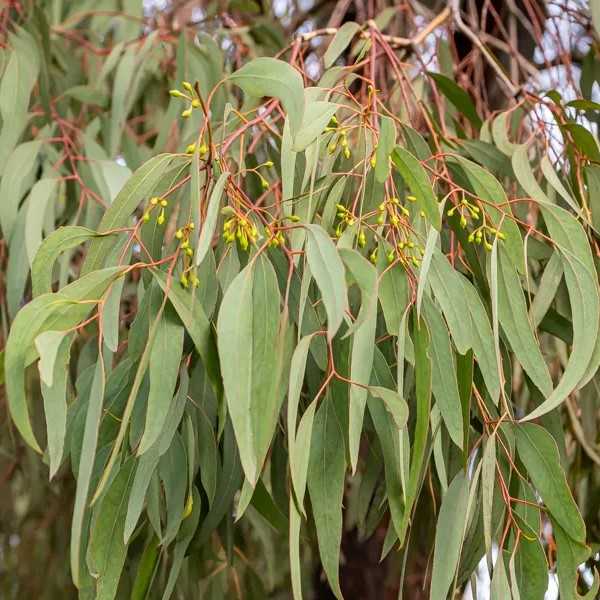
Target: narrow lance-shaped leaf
{"points": [[363, 343], [86, 465], [267, 76], [247, 337], [328, 271], [210, 222], [107, 551], [417, 180], [539, 454], [449, 536], [581, 280], [326, 486], [164, 365], [296, 380], [340, 42], [512, 314], [443, 373], [54, 372], [422, 340], [59, 311]]}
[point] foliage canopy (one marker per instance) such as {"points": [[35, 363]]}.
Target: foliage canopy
{"points": [[248, 310]]}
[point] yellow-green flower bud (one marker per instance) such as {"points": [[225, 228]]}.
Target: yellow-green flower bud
{"points": [[347, 153], [187, 86], [190, 149], [176, 94], [373, 161], [196, 103], [186, 113]]}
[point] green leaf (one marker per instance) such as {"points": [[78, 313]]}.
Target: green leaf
{"points": [[328, 270], [248, 341], [184, 538], [582, 283], [60, 311], [363, 344], [512, 314], [59, 241], [41, 195], [482, 339], [106, 551], [531, 568], [146, 570], [139, 187], [86, 465], [54, 349], [571, 555], [488, 477], [385, 145], [317, 114], [17, 174], [196, 324], [298, 450], [165, 356], [447, 286], [584, 140], [393, 295], [418, 181], [485, 186], [326, 476], [267, 76], [500, 589], [210, 221], [443, 373], [394, 404], [422, 343], [539, 454], [449, 536], [342, 38], [457, 95], [391, 439]]}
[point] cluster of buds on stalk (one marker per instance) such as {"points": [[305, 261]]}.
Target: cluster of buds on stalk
{"points": [[191, 96], [156, 202], [391, 210], [465, 209], [339, 138], [275, 235], [346, 219], [242, 229], [187, 277], [202, 149], [471, 212]]}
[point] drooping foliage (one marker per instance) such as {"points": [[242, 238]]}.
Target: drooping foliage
{"points": [[248, 311]]}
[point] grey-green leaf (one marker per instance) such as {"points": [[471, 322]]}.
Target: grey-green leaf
{"points": [[267, 76], [417, 180], [328, 270], [248, 339], [449, 536], [326, 475]]}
